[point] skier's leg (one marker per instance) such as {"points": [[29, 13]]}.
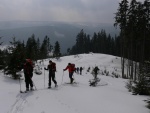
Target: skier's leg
{"points": [[71, 79], [53, 78], [95, 76], [70, 76], [27, 83], [31, 83], [49, 84]]}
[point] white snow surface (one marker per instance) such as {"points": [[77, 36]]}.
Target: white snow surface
{"points": [[110, 96]]}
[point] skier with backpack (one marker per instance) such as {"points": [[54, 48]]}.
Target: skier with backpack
{"points": [[28, 73], [81, 70], [52, 69], [95, 70], [71, 69], [95, 81]]}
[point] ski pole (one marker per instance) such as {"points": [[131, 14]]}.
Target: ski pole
{"points": [[20, 84], [62, 77], [34, 85], [44, 78]]}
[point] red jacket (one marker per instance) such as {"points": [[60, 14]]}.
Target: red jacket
{"points": [[70, 68]]}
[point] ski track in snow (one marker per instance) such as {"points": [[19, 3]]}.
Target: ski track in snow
{"points": [[65, 105], [18, 106], [22, 100]]}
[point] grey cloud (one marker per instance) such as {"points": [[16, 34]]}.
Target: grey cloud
{"points": [[101, 11]]}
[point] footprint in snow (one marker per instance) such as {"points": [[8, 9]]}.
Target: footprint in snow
{"points": [[37, 98]]}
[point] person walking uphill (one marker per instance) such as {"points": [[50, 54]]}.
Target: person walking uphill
{"points": [[71, 69], [52, 69], [96, 69], [81, 70], [28, 73]]}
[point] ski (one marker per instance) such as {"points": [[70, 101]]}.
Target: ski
{"points": [[53, 87], [23, 91], [26, 91], [71, 83]]}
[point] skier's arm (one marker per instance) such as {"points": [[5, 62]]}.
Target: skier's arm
{"points": [[32, 69], [65, 68], [46, 68], [20, 67]]}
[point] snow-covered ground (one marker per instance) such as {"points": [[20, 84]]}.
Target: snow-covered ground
{"points": [[110, 96]]}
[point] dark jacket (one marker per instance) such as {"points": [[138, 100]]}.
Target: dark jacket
{"points": [[51, 67], [28, 69], [96, 69]]}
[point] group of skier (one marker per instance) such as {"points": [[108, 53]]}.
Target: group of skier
{"points": [[28, 73], [79, 70]]}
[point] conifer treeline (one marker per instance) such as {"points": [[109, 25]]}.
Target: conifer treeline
{"points": [[99, 43], [134, 21], [34, 49], [17, 52]]}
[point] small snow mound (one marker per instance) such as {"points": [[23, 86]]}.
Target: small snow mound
{"points": [[102, 83]]}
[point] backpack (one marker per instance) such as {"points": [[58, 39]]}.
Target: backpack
{"points": [[30, 61], [73, 67], [28, 68], [53, 66]]}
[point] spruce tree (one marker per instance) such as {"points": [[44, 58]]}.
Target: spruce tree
{"points": [[80, 42], [94, 43], [16, 57], [142, 85], [1, 57], [31, 48], [121, 20], [57, 53], [44, 48], [1, 42]]}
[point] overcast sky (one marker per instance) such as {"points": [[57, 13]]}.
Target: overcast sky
{"points": [[97, 11]]}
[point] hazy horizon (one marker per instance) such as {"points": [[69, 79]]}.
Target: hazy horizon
{"points": [[62, 32], [93, 11]]}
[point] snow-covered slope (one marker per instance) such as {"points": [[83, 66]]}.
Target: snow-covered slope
{"points": [[110, 96]]}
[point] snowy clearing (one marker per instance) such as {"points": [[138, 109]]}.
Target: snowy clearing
{"points": [[110, 96]]}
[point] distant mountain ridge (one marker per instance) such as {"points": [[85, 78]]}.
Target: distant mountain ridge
{"points": [[65, 33]]}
